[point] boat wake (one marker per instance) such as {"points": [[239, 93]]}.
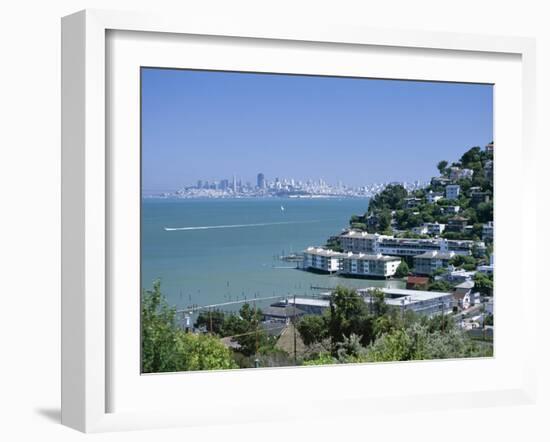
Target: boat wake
{"points": [[236, 226]]}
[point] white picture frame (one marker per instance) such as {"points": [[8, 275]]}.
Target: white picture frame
{"points": [[87, 319]]}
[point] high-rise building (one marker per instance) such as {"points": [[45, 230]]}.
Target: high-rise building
{"points": [[199, 184], [234, 186], [260, 181]]}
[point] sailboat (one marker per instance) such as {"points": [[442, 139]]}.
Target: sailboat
{"points": [[282, 208]]}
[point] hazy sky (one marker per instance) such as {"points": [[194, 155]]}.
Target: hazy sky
{"points": [[213, 125]]}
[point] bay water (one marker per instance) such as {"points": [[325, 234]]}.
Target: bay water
{"points": [[213, 251]]}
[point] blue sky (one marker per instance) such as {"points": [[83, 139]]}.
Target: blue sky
{"points": [[213, 125]]}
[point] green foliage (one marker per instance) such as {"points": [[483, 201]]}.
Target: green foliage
{"points": [[466, 262], [419, 343], [211, 320], [334, 244], [312, 329], [483, 283], [402, 270], [391, 198], [439, 286], [246, 331], [348, 315], [322, 359], [166, 348], [201, 352]]}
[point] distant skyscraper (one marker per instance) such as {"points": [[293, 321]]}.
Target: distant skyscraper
{"points": [[199, 184], [261, 181], [234, 184]]}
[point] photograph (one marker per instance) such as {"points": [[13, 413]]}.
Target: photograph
{"points": [[292, 220]]}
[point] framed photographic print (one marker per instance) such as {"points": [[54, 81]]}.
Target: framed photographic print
{"points": [[250, 210]]}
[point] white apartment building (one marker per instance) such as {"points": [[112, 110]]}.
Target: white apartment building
{"points": [[368, 243], [360, 264], [427, 263], [452, 191], [353, 264], [322, 260]]}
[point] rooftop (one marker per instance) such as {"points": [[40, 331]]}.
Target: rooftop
{"points": [[437, 254], [398, 297], [320, 251], [366, 257]]}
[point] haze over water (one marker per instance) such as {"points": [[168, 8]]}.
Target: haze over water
{"points": [[222, 250]]}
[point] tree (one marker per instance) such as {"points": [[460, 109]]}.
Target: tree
{"points": [[348, 314], [245, 329], [165, 347], [483, 283], [402, 270], [312, 329], [439, 286], [418, 342], [211, 320], [441, 166], [201, 352]]}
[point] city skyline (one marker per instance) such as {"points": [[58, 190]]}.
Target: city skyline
{"points": [[213, 125]]}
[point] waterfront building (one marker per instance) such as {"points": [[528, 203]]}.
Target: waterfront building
{"points": [[360, 264], [490, 147], [419, 301], [427, 263], [373, 243], [311, 306], [361, 242], [452, 191], [321, 260]]}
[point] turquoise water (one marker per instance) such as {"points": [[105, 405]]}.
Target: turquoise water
{"points": [[225, 250]]}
